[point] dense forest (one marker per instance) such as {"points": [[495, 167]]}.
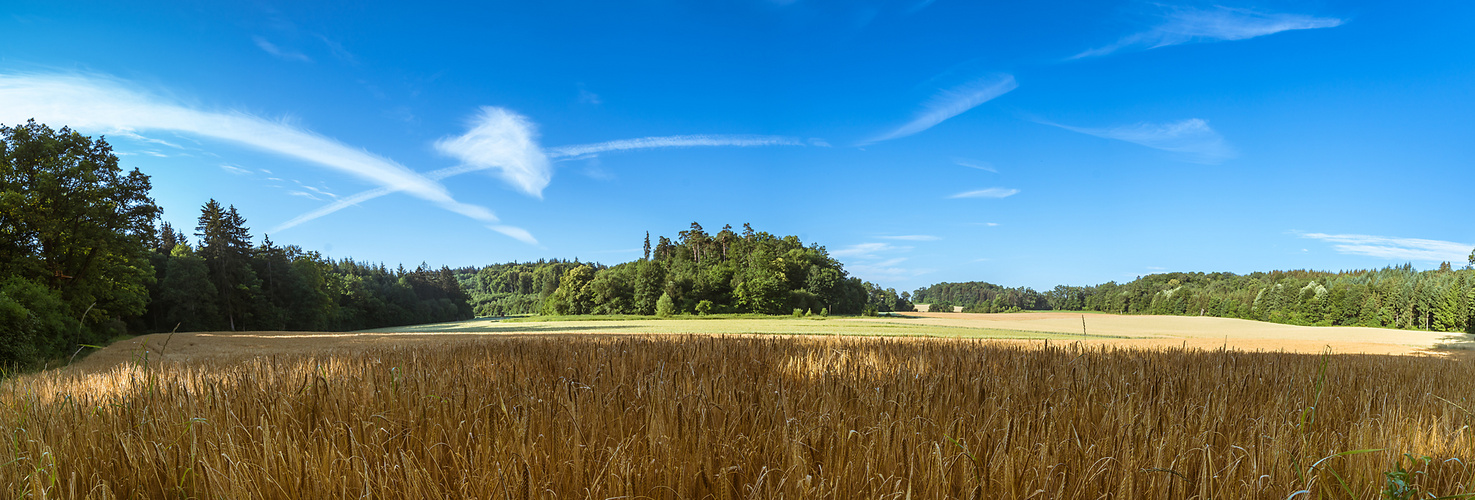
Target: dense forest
{"points": [[1442, 299], [699, 273]]}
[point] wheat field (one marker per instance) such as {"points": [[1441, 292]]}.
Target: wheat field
{"points": [[692, 417]]}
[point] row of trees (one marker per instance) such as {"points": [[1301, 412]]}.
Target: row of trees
{"points": [[701, 273], [1441, 299], [978, 296]]}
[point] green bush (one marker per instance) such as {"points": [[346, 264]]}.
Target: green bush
{"points": [[34, 323], [704, 307], [665, 307]]}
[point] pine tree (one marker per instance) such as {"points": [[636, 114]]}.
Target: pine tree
{"points": [[225, 244]]}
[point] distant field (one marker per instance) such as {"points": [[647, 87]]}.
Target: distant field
{"points": [[1100, 329], [1200, 331]]}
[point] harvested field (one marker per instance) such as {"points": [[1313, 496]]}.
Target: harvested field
{"points": [[1196, 331], [743, 417]]}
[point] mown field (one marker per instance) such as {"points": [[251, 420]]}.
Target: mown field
{"points": [[673, 416]]}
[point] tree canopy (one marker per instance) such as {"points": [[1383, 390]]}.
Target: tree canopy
{"points": [[73, 231]]}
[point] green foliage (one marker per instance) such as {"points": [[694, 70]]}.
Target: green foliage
{"points": [[704, 307], [824, 312], [665, 306], [798, 313], [35, 323], [1398, 483], [74, 225]]}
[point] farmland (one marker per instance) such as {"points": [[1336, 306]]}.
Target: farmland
{"points": [[581, 410]]}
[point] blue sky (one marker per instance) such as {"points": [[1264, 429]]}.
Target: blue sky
{"points": [[1021, 143]]}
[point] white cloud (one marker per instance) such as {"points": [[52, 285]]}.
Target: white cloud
{"points": [[1192, 137], [515, 233], [674, 141], [338, 50], [234, 169], [106, 105], [320, 191], [304, 195], [869, 260], [987, 193], [131, 135], [866, 250], [1396, 249], [505, 141], [912, 237], [952, 102], [1188, 25], [975, 164], [274, 50], [587, 97]]}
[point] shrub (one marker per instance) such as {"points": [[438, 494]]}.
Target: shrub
{"points": [[665, 307], [704, 307]]}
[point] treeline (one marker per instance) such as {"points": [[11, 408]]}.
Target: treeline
{"points": [[701, 273], [1442, 299], [82, 261], [978, 296], [225, 283]]}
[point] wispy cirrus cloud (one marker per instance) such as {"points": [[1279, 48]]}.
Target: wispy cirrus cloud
{"points": [[234, 169], [1193, 138], [866, 250], [994, 192], [1396, 249], [975, 164], [1182, 25], [515, 233], [877, 261], [271, 48], [109, 105], [952, 102], [673, 141]]}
